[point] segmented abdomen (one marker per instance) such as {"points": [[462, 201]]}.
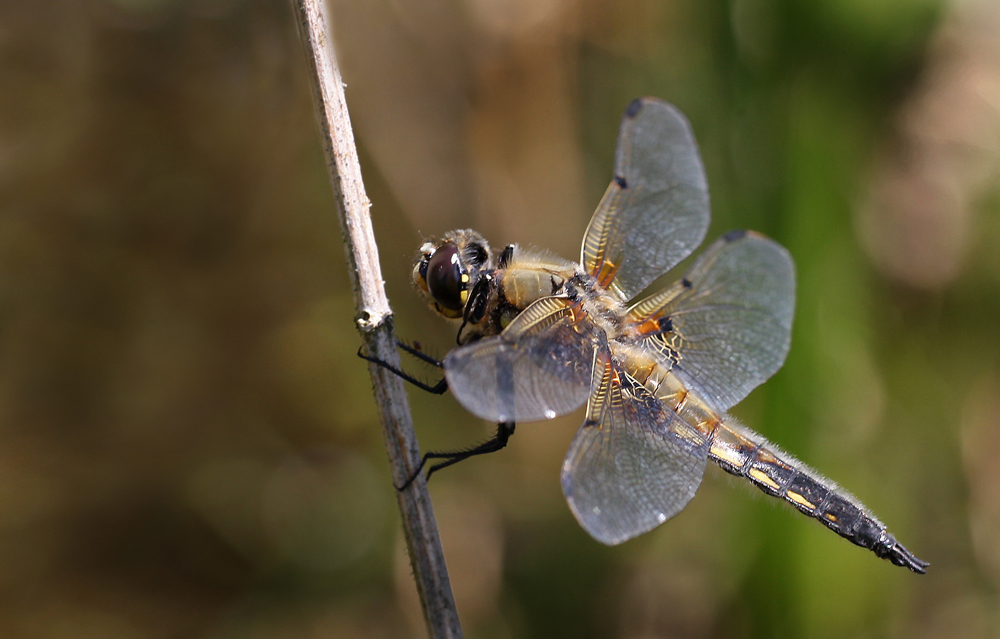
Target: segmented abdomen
{"points": [[744, 453]]}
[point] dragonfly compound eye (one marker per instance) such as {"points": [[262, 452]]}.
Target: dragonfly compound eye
{"points": [[445, 277]]}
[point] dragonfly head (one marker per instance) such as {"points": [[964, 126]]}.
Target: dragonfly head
{"points": [[446, 271]]}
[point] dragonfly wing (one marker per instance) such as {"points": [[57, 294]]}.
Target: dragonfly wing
{"points": [[655, 212], [539, 367], [729, 319], [634, 463]]}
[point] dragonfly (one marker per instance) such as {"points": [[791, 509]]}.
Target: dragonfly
{"points": [[541, 336]]}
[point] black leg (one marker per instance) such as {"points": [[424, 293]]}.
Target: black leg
{"points": [[419, 354], [438, 389], [498, 442]]}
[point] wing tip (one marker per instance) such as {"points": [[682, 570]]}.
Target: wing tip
{"points": [[597, 532]]}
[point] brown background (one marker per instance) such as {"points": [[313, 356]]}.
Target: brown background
{"points": [[187, 442]]}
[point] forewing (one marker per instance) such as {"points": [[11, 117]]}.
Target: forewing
{"points": [[655, 212], [633, 464], [539, 367], [731, 317]]}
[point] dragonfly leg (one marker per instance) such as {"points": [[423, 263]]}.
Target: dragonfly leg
{"points": [[438, 389], [419, 354], [498, 442]]}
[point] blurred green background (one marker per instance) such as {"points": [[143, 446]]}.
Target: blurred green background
{"points": [[188, 445]]}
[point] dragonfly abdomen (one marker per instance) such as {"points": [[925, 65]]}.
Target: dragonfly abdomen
{"points": [[746, 454]]}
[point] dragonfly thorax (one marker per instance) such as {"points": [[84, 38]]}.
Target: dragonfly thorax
{"points": [[602, 308]]}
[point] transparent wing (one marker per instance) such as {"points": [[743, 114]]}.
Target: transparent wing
{"points": [[655, 212], [633, 464], [539, 367], [726, 326]]}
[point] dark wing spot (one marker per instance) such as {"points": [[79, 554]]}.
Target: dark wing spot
{"points": [[633, 108], [666, 324], [621, 181], [734, 235], [686, 283]]}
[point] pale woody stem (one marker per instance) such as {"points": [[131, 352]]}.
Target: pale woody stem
{"points": [[375, 321]]}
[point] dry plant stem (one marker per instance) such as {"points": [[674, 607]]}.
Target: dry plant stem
{"points": [[375, 321]]}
